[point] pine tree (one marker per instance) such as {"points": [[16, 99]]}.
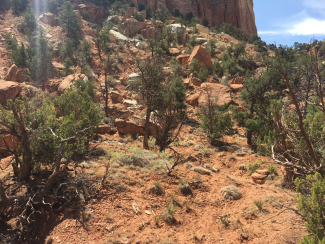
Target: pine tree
{"points": [[69, 20], [19, 56]]}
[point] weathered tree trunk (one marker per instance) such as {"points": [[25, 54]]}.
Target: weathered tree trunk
{"points": [[146, 129]]}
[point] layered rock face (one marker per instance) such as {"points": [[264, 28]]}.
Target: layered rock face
{"points": [[239, 13]]}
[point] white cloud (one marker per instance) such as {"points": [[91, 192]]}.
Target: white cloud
{"points": [[299, 25], [316, 4]]}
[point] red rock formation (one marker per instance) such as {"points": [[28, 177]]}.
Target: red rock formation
{"points": [[239, 13]]}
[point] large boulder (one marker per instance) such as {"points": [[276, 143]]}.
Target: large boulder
{"points": [[202, 29], [117, 36], [177, 28], [113, 19], [151, 32], [220, 94], [66, 83], [128, 127], [236, 87], [173, 52], [49, 19], [8, 90], [260, 176], [11, 74], [132, 27], [96, 14], [104, 129], [193, 99], [202, 55]]}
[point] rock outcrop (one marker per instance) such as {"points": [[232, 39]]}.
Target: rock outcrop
{"points": [[96, 14], [202, 55], [220, 94], [239, 13], [49, 19]]}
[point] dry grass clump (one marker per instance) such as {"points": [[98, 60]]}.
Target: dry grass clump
{"points": [[168, 214], [156, 188], [185, 187], [202, 171], [231, 193]]}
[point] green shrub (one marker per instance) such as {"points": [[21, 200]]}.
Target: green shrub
{"points": [[311, 205], [253, 167], [11, 42], [67, 64], [86, 16], [203, 73], [193, 41], [272, 169]]}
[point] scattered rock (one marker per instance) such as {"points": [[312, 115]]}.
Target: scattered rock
{"points": [[116, 97], [259, 178], [237, 80], [128, 127], [202, 29], [113, 19], [104, 129], [183, 59], [202, 171], [140, 45], [132, 27], [240, 153], [186, 190], [201, 40], [173, 52], [242, 167], [213, 169]]}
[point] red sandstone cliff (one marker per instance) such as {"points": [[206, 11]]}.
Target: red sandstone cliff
{"points": [[239, 13]]}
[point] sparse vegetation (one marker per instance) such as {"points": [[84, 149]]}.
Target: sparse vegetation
{"points": [[252, 167], [231, 193], [259, 204], [169, 212]]}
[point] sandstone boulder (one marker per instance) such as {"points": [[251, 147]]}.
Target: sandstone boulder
{"points": [[128, 127], [118, 110], [202, 41], [8, 90], [193, 99], [259, 178], [237, 80], [131, 10], [236, 87], [116, 36], [202, 55], [113, 19], [49, 19], [116, 97], [11, 74], [196, 82], [220, 94], [126, 17], [202, 29], [10, 141], [132, 27], [104, 129], [66, 83], [96, 14], [173, 52], [183, 58]]}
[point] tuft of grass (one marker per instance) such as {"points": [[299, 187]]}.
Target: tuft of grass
{"points": [[187, 205], [232, 158], [157, 184], [128, 137], [168, 215], [109, 216], [272, 169], [182, 182], [225, 220], [253, 167], [206, 153], [259, 204], [151, 142], [202, 171], [231, 193], [174, 198], [157, 219]]}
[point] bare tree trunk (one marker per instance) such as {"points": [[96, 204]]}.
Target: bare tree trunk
{"points": [[146, 129]]}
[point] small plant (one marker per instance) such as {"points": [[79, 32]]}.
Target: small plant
{"points": [[231, 193], [168, 215], [109, 216], [128, 137], [272, 169], [182, 182], [151, 142], [259, 204], [174, 198], [156, 188], [206, 153], [253, 167], [232, 158], [157, 219], [225, 220], [187, 205]]}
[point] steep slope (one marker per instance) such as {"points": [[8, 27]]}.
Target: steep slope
{"points": [[239, 13]]}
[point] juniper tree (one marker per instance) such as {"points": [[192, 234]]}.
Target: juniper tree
{"points": [[69, 20]]}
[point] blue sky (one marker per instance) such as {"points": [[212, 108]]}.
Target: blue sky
{"points": [[288, 21]]}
